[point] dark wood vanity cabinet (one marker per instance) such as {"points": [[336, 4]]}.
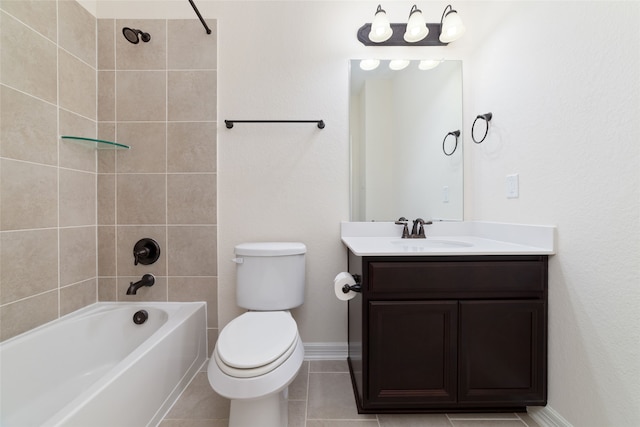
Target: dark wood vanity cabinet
{"points": [[449, 333]]}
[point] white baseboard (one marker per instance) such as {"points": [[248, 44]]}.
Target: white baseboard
{"points": [[325, 350], [547, 417]]}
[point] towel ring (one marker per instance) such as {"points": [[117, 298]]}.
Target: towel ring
{"points": [[456, 134], [487, 118]]}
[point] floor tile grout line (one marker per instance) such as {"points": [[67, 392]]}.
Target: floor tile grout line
{"points": [[306, 404]]}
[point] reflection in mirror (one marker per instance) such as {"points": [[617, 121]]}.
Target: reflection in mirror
{"points": [[398, 121]]}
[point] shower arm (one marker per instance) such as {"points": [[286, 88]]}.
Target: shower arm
{"points": [[195, 9]]}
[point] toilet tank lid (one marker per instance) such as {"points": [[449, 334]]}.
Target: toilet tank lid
{"points": [[270, 249]]}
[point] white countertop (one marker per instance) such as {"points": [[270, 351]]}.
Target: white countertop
{"points": [[449, 238]]}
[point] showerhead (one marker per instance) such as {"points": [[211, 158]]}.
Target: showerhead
{"points": [[132, 34]]}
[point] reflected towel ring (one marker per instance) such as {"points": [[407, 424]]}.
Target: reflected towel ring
{"points": [[455, 133], [487, 118]]}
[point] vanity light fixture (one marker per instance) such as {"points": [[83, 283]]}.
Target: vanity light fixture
{"points": [[429, 64], [416, 32], [369, 64], [398, 64], [380, 27], [416, 26], [451, 26]]}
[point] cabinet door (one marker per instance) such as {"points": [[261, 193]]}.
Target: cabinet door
{"points": [[502, 352], [412, 353]]}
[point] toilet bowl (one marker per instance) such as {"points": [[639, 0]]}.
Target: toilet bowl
{"points": [[259, 353], [253, 364]]}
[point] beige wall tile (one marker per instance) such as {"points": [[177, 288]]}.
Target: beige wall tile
{"points": [[157, 292], [140, 96], [29, 195], [197, 289], [191, 146], [79, 295], [77, 82], [77, 198], [141, 199], [40, 15], [107, 96], [212, 337], [127, 236], [27, 314], [78, 256], [75, 154], [187, 36], [77, 31], [106, 199], [28, 263], [191, 199], [27, 60], [148, 147], [192, 250], [151, 55], [28, 128], [107, 289], [107, 251], [191, 95], [107, 158], [106, 44]]}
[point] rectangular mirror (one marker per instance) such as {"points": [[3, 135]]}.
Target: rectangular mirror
{"points": [[398, 123]]}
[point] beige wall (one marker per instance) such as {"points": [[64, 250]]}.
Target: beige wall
{"points": [[70, 214]]}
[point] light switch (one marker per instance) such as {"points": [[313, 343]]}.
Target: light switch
{"points": [[512, 186], [445, 194]]}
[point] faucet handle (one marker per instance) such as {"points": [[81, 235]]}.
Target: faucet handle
{"points": [[405, 231], [422, 223]]}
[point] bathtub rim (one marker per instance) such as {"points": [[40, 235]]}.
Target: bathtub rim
{"points": [[179, 312]]}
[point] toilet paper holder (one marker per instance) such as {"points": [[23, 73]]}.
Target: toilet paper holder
{"points": [[355, 288]]}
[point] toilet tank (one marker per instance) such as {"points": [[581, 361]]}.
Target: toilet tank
{"points": [[270, 275]]}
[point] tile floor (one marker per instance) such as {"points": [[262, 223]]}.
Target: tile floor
{"points": [[321, 396]]}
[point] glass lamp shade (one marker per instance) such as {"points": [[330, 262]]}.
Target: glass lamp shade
{"points": [[398, 64], [416, 27], [380, 27], [369, 64], [452, 27], [428, 64]]}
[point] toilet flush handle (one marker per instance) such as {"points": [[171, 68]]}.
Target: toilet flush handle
{"points": [[238, 260]]}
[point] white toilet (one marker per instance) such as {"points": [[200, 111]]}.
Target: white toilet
{"points": [[259, 353]]}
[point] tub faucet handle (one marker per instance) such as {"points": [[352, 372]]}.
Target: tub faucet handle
{"points": [[146, 251]]}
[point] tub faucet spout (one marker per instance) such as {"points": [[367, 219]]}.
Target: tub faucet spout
{"points": [[147, 280]]}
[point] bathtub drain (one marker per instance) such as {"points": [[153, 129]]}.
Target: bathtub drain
{"points": [[140, 317]]}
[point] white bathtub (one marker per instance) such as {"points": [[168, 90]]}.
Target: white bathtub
{"points": [[96, 367]]}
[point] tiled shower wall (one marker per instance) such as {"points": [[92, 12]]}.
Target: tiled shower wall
{"points": [[159, 98], [70, 215], [47, 186]]}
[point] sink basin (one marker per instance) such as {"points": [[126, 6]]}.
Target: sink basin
{"points": [[418, 244]]}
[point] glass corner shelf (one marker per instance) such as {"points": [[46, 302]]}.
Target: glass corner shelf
{"points": [[100, 144]]}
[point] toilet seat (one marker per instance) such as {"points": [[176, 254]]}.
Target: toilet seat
{"points": [[256, 343]]}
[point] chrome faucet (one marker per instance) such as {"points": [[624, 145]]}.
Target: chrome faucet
{"points": [[147, 280]]}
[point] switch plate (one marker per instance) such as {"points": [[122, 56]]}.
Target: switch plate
{"points": [[445, 194], [512, 186]]}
